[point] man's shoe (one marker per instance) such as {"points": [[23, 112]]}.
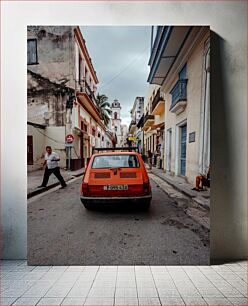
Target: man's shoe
{"points": [[63, 187]]}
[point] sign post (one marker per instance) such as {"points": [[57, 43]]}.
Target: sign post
{"points": [[69, 144]]}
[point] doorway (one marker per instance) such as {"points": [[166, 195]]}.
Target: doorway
{"points": [[182, 148], [168, 150], [30, 158]]}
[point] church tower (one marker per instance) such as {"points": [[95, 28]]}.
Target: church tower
{"points": [[116, 120]]}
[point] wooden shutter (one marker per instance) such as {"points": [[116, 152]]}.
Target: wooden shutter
{"points": [[32, 51]]}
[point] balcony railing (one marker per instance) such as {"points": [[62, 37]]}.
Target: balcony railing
{"points": [[148, 117], [179, 92], [84, 87], [157, 99]]}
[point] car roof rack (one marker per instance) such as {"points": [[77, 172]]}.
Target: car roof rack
{"points": [[116, 149]]}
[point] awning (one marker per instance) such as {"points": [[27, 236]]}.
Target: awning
{"points": [[167, 46], [157, 126]]}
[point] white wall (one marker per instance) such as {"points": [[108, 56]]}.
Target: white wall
{"points": [[228, 105]]}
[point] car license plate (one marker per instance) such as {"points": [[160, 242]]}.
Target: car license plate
{"points": [[115, 187]]}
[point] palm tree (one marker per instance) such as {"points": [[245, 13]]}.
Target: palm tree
{"points": [[103, 107]]}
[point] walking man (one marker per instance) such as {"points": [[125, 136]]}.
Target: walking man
{"points": [[51, 163]]}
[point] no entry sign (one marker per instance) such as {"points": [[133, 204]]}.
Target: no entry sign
{"points": [[69, 138]]}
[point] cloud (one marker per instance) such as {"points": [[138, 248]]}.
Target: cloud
{"points": [[120, 57]]}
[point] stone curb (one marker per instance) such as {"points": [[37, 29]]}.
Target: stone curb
{"points": [[41, 190], [183, 190]]}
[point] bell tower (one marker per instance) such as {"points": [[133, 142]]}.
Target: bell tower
{"points": [[116, 120]]}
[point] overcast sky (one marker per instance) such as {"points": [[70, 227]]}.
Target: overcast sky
{"points": [[120, 57]]}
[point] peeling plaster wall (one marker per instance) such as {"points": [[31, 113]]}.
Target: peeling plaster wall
{"points": [[52, 78], [55, 49]]}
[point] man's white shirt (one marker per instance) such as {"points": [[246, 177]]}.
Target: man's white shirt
{"points": [[52, 160]]}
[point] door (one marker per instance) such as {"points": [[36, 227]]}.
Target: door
{"points": [[30, 150], [168, 150], [183, 147]]}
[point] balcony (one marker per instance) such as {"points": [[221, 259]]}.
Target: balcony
{"points": [[169, 40], [179, 97], [140, 122], [158, 104], [84, 87], [148, 121]]}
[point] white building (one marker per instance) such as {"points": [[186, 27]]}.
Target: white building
{"points": [[116, 120], [124, 135]]}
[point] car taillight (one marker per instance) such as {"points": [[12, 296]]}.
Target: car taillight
{"points": [[85, 189], [146, 188]]}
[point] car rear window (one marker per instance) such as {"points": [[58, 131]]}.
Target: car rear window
{"points": [[115, 161]]}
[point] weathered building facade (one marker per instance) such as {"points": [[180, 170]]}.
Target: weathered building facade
{"points": [[61, 95], [136, 114], [182, 68]]}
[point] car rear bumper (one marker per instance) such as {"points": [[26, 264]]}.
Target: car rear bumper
{"points": [[115, 200]]}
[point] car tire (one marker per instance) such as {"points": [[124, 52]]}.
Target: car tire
{"points": [[88, 207], [146, 206]]}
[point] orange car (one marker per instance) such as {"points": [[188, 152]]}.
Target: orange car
{"points": [[116, 177]]}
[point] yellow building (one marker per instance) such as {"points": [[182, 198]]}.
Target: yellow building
{"points": [[153, 127], [181, 66]]}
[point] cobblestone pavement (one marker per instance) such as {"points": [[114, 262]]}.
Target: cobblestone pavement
{"points": [[198, 213]]}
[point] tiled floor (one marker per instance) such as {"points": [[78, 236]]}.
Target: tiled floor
{"points": [[123, 285]]}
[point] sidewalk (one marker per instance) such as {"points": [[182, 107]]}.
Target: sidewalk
{"points": [[35, 179], [201, 198]]}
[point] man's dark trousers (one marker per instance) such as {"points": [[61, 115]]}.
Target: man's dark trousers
{"points": [[56, 172]]}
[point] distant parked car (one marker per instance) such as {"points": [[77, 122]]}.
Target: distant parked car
{"points": [[116, 178]]}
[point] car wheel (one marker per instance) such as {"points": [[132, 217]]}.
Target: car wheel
{"points": [[146, 206], [88, 207]]}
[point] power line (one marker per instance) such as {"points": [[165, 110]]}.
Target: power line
{"points": [[55, 140], [49, 137], [139, 56]]}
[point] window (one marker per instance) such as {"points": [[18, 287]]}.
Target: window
{"points": [[32, 57], [116, 128], [115, 115], [84, 127], [115, 161], [179, 91], [79, 68], [182, 73], [93, 132]]}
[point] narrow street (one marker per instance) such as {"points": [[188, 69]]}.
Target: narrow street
{"points": [[62, 232]]}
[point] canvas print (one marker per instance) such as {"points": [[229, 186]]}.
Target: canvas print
{"points": [[118, 145]]}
